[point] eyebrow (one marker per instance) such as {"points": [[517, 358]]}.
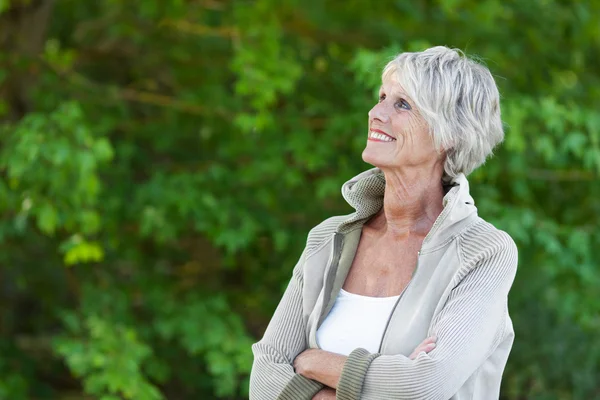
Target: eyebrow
{"points": [[399, 94]]}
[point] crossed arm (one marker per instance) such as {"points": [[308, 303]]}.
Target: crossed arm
{"points": [[468, 330], [326, 367]]}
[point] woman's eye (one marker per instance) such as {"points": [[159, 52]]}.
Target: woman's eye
{"points": [[381, 98], [403, 104]]}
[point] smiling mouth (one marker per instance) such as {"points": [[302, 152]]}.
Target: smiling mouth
{"points": [[379, 136]]}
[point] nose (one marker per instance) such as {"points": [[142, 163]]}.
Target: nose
{"points": [[379, 113]]}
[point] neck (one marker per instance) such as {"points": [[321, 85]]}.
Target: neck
{"points": [[411, 203]]}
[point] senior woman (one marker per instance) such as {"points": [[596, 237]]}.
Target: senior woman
{"points": [[405, 298]]}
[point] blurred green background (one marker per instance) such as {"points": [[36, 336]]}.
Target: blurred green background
{"points": [[161, 163]]}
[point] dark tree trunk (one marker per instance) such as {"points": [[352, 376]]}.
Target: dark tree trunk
{"points": [[22, 36]]}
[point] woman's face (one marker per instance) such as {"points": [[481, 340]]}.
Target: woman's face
{"points": [[398, 135]]}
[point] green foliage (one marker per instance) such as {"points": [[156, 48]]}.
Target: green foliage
{"points": [[62, 142], [208, 327], [161, 165], [106, 356]]}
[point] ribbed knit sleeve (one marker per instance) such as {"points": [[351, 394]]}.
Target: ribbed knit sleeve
{"points": [[469, 328], [273, 375], [353, 373]]}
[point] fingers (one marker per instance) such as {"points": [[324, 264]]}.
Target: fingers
{"points": [[426, 345], [431, 339], [425, 348]]}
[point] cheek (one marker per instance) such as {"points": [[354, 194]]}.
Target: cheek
{"points": [[410, 127], [417, 126], [413, 135]]}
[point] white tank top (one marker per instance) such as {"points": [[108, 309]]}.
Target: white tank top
{"points": [[355, 321]]}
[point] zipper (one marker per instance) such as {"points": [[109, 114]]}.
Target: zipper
{"points": [[330, 278], [387, 324]]}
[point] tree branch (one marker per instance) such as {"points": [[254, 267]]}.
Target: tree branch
{"points": [[557, 175]]}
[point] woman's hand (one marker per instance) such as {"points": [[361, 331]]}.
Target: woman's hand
{"points": [[320, 365], [325, 394], [426, 345]]}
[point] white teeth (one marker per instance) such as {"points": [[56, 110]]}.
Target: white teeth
{"points": [[382, 137]]}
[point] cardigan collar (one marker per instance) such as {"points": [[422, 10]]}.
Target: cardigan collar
{"points": [[365, 193]]}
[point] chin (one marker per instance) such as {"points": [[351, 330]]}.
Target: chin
{"points": [[376, 159]]}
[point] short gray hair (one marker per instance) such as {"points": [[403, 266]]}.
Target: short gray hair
{"points": [[458, 99]]}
